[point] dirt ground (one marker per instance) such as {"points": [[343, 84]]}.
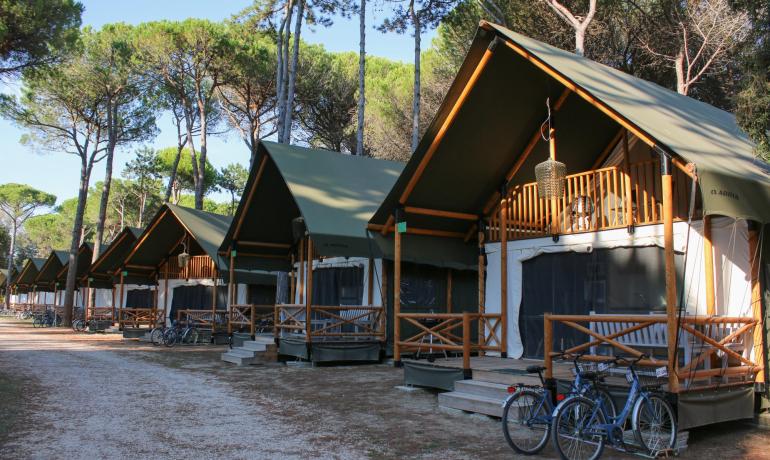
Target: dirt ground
{"points": [[67, 395]]}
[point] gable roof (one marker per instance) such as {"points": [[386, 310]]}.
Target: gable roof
{"points": [[103, 268], [334, 193], [46, 277], [498, 115], [85, 253]]}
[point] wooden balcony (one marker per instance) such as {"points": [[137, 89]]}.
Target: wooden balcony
{"points": [[600, 199], [712, 351], [251, 317], [199, 267], [330, 323]]}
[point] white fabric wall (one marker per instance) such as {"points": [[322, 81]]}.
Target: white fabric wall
{"points": [[102, 297], [241, 294], [377, 295], [729, 237]]}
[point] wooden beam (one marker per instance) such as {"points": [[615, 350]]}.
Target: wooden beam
{"points": [[588, 97], [264, 244], [671, 297], [504, 277], [708, 266], [165, 291], [528, 149], [421, 231], [120, 303], [481, 285], [249, 197], [309, 293], [370, 281], [231, 296], [396, 298], [214, 303], [756, 298], [445, 126], [388, 224], [469, 233], [449, 290], [140, 267], [629, 203], [145, 235], [439, 213]]}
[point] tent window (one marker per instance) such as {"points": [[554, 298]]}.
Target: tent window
{"points": [[615, 281], [338, 286], [260, 294], [197, 298]]}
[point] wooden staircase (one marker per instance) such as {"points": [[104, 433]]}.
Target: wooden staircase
{"points": [[485, 393], [258, 351]]}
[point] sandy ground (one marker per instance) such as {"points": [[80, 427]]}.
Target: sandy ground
{"points": [[97, 396]]}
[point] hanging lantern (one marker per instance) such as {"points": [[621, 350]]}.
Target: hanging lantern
{"points": [[550, 176], [183, 257]]}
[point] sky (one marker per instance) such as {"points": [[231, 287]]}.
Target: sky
{"points": [[58, 173]]}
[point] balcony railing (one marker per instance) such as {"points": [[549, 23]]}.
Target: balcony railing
{"points": [[198, 267], [251, 316], [350, 322], [600, 199]]}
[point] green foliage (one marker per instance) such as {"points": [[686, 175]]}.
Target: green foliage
{"points": [[18, 200], [209, 205], [184, 174], [232, 179], [35, 33]]}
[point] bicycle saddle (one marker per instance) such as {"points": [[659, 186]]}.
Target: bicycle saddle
{"points": [[534, 369]]}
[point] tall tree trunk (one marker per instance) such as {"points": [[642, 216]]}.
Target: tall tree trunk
{"points": [[77, 226], [361, 79], [202, 164], [284, 68], [293, 72], [11, 248], [100, 221], [174, 169], [580, 38], [416, 95], [681, 85]]}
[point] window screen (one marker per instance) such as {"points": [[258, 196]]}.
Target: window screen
{"points": [[619, 280], [139, 298], [334, 286], [261, 294]]}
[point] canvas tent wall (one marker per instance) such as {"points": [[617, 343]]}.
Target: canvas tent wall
{"points": [[46, 279], [24, 284]]}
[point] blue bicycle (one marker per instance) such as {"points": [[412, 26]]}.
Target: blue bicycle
{"points": [[581, 428], [527, 412]]}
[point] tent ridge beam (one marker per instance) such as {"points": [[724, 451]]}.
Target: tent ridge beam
{"points": [[263, 244], [440, 213], [420, 231]]}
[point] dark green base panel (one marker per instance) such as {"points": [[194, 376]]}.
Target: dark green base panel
{"points": [[339, 352], [99, 326], [220, 338], [427, 375], [699, 408], [134, 332], [329, 352], [293, 347]]}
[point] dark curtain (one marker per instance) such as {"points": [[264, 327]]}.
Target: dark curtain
{"points": [[139, 298], [260, 294], [334, 286], [619, 281], [197, 297], [423, 287]]}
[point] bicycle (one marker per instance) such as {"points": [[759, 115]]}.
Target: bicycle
{"points": [[580, 426], [527, 412], [177, 334], [156, 335]]}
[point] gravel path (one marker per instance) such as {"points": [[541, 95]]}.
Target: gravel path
{"points": [[96, 396]]}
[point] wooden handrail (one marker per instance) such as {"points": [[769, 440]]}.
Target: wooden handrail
{"points": [[366, 320]]}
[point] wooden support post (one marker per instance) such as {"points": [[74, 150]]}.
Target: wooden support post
{"points": [[155, 304], [504, 277], [214, 303], [548, 345], [89, 304], [370, 282], [756, 299], [165, 292], [231, 297], [292, 280], [113, 303], [120, 302], [397, 298], [384, 302], [309, 292], [302, 272], [482, 285], [629, 202], [467, 345], [708, 266], [253, 322], [449, 290], [671, 297]]}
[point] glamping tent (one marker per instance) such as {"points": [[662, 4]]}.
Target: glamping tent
{"points": [[608, 215], [46, 280], [176, 258], [309, 207], [23, 286], [103, 273], [85, 254]]}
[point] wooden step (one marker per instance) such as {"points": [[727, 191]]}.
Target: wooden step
{"points": [[504, 378], [471, 403], [238, 359], [481, 388]]}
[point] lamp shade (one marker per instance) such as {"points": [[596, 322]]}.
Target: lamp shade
{"points": [[550, 178], [184, 259]]}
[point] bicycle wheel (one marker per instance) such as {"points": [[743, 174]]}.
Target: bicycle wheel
{"points": [[526, 422], [653, 423], [170, 337], [156, 336], [37, 322], [576, 435], [191, 335]]}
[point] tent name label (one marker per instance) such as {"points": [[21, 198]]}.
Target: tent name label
{"points": [[726, 194]]}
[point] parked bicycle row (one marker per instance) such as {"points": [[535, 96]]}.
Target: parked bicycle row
{"points": [[583, 420]]}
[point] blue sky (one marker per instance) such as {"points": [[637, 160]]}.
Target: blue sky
{"points": [[58, 173]]}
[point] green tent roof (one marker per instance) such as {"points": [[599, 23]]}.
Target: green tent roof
{"points": [[85, 254], [169, 225], [334, 193], [103, 269], [46, 277], [29, 271], [507, 104]]}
